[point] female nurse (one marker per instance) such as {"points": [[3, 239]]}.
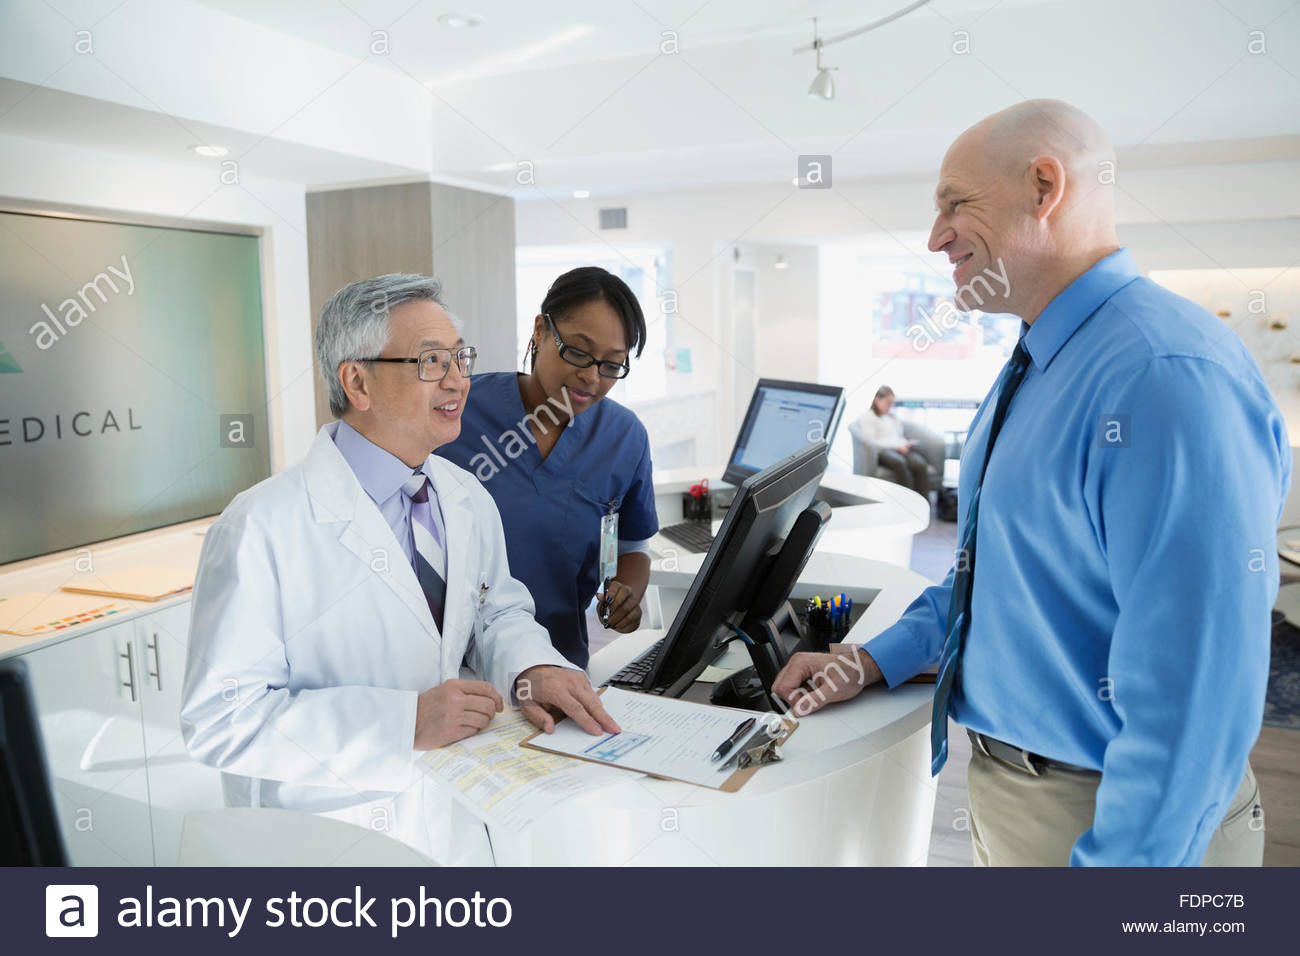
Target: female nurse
{"points": [[558, 456]]}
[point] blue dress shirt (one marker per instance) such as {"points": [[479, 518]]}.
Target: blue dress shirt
{"points": [[382, 475], [1126, 563], [551, 509]]}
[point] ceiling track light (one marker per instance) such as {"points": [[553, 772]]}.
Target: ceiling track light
{"points": [[823, 84]]}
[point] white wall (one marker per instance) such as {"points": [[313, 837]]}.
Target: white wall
{"points": [[1244, 215], [37, 171], [1250, 302], [788, 307]]}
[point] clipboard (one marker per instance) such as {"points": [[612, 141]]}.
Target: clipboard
{"points": [[729, 783]]}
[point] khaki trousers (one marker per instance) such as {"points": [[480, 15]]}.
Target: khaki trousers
{"points": [[1021, 820]]}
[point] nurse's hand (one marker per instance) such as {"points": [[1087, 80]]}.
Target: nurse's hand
{"points": [[543, 689], [622, 607], [454, 710]]}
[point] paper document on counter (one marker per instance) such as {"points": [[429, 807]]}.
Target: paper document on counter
{"points": [[147, 583], [27, 615], [661, 736], [509, 786]]}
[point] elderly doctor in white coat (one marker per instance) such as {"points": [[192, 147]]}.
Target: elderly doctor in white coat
{"points": [[325, 648]]}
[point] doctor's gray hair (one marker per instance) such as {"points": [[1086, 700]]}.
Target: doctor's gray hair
{"points": [[354, 323]]}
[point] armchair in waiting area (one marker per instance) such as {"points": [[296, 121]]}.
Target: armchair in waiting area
{"points": [[866, 453]]}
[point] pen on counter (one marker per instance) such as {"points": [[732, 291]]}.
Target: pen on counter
{"points": [[724, 748]]}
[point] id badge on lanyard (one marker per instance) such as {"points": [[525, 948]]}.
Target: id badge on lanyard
{"points": [[608, 546]]}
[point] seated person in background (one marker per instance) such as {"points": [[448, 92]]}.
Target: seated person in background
{"points": [[897, 453], [336, 601]]}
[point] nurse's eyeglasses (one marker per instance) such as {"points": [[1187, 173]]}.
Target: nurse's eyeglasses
{"points": [[580, 359], [432, 365]]}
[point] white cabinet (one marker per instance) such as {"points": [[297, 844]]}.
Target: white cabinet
{"points": [[177, 782], [87, 692], [109, 705]]}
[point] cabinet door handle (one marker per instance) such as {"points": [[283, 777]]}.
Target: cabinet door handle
{"points": [[129, 657], [156, 673]]}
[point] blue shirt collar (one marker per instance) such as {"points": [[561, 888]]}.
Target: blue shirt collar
{"points": [[1076, 302], [381, 473]]}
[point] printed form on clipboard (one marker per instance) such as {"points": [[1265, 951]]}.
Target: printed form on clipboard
{"points": [[669, 738]]}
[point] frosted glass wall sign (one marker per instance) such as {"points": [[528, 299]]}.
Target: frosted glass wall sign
{"points": [[130, 354]]}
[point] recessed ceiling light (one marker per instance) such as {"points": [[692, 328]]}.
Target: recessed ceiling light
{"points": [[459, 21], [780, 262], [210, 150], [582, 194]]}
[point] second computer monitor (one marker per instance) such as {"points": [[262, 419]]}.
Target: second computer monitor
{"points": [[783, 417], [766, 507]]}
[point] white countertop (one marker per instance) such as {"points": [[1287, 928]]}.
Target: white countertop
{"points": [[885, 511], [174, 546], [851, 731]]}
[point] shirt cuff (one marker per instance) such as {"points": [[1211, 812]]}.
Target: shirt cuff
{"points": [[633, 547], [899, 653]]}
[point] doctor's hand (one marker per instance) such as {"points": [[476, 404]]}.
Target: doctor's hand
{"points": [[544, 689], [810, 681], [454, 710], [621, 607]]}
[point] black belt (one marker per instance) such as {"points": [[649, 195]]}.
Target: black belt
{"points": [[1019, 759]]}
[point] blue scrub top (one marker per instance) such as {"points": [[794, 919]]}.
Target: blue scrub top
{"points": [[551, 509]]}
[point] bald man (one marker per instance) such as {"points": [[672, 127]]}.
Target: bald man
{"points": [[1103, 636]]}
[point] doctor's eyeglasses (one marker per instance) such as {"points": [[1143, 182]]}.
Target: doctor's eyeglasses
{"points": [[580, 359], [432, 365]]}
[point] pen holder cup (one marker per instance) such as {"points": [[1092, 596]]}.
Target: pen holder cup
{"points": [[696, 508], [822, 637]]}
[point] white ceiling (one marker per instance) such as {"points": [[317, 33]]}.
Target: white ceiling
{"points": [[517, 35], [580, 88], [604, 110], [39, 112]]}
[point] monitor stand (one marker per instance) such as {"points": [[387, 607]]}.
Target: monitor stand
{"points": [[773, 630], [750, 688]]}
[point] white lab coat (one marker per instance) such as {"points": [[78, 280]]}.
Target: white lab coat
{"points": [[310, 641]]}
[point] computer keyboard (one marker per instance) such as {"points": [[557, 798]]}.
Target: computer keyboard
{"points": [[634, 674], [693, 535]]}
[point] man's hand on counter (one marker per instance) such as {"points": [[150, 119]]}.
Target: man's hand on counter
{"points": [[454, 710], [811, 681]]}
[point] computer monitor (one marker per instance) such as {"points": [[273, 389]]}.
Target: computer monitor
{"points": [[29, 825], [782, 418], [755, 555]]}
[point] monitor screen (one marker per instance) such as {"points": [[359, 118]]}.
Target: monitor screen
{"points": [[761, 515], [783, 417], [29, 829]]}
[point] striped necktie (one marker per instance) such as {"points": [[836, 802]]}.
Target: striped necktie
{"points": [[963, 577], [428, 557]]}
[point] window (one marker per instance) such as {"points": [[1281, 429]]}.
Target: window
{"points": [[889, 319], [648, 272]]}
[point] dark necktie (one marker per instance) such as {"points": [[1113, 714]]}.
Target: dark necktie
{"points": [[959, 610], [428, 554]]}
